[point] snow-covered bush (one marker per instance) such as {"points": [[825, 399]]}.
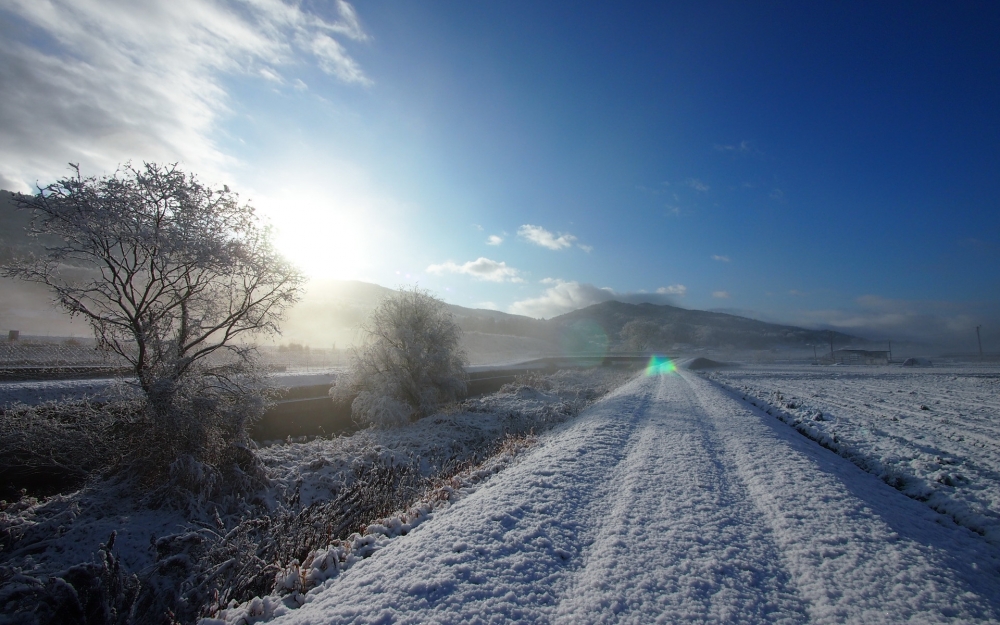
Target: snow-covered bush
{"points": [[56, 446], [409, 363]]}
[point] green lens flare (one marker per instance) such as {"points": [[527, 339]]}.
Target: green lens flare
{"points": [[660, 365]]}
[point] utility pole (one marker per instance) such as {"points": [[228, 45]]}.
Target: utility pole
{"points": [[980, 341], [890, 351], [831, 345], [815, 357]]}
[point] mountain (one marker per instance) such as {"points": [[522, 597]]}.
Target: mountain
{"points": [[654, 326]]}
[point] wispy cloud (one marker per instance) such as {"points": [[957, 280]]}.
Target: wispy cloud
{"points": [[741, 147], [540, 236], [146, 80], [494, 239], [777, 194], [720, 294], [698, 185], [565, 296], [720, 258], [674, 289], [481, 269]]}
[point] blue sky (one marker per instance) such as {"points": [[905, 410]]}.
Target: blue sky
{"points": [[823, 164]]}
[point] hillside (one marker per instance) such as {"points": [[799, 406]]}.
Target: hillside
{"points": [[664, 327]]}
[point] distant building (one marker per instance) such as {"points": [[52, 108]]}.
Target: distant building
{"points": [[861, 357], [13, 335]]}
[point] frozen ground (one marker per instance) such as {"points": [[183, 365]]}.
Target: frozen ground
{"points": [[45, 538], [932, 433], [670, 500]]}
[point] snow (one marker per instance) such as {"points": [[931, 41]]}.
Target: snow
{"points": [[314, 469], [670, 500], [712, 496], [44, 537], [932, 433]]}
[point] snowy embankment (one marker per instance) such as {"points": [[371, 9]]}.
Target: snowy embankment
{"points": [[319, 493], [668, 501], [934, 434]]}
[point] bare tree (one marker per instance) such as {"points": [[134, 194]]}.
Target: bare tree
{"points": [[410, 361], [171, 274]]}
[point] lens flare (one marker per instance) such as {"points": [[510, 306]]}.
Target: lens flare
{"points": [[660, 365]]}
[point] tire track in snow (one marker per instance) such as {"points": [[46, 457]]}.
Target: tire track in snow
{"points": [[681, 540]]}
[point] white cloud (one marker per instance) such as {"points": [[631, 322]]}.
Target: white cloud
{"points": [[743, 147], [334, 60], [721, 259], [561, 298], [674, 289], [86, 82], [698, 185], [480, 269], [720, 294], [494, 240], [777, 194], [488, 305], [540, 236], [585, 248], [269, 74], [565, 296]]}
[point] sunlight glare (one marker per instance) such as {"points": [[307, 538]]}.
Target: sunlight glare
{"points": [[660, 365]]}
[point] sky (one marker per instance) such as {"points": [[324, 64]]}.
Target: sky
{"points": [[825, 164]]}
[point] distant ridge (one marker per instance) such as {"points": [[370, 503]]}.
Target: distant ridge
{"points": [[663, 327]]}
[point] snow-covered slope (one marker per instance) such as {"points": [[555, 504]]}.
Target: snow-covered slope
{"points": [[672, 501]]}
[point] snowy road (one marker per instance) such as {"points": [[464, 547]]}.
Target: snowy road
{"points": [[671, 501]]}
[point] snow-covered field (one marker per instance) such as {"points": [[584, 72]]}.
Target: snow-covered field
{"points": [[670, 500], [932, 433]]}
